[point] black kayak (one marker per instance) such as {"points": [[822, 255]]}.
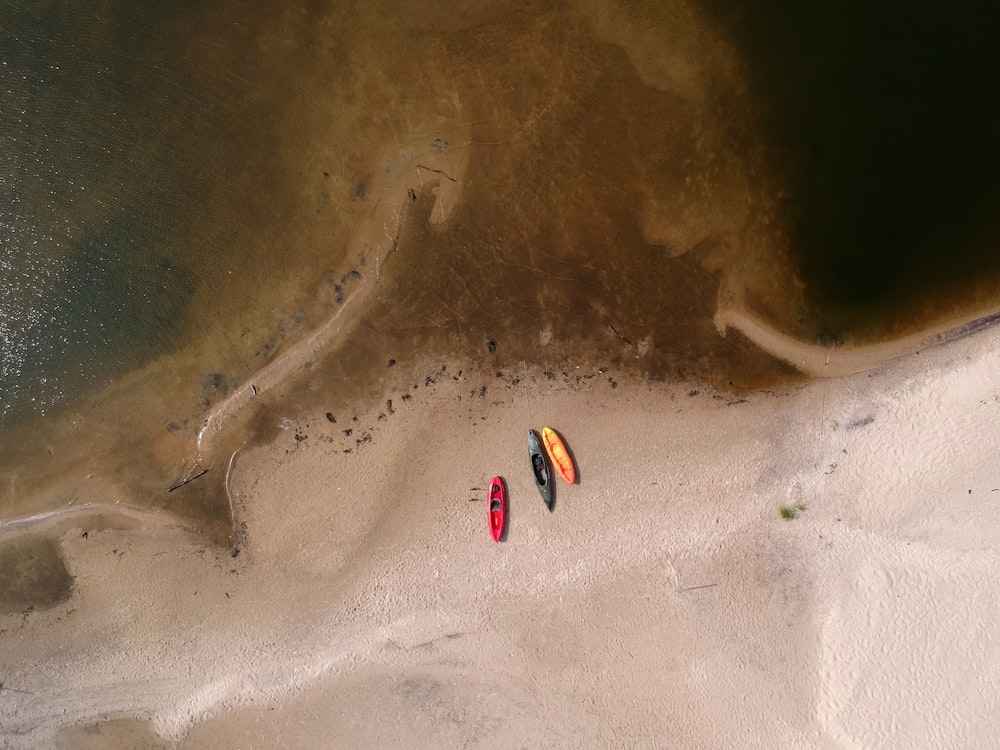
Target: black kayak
{"points": [[540, 467]]}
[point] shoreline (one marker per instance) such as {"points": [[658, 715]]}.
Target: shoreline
{"points": [[345, 594], [363, 575], [380, 235], [814, 360], [819, 361], [57, 521], [798, 559]]}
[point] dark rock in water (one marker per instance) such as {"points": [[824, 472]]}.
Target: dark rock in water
{"points": [[213, 386]]}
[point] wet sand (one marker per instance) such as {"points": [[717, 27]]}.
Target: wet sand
{"points": [[665, 591], [833, 360], [665, 600], [595, 175], [556, 166], [330, 578]]}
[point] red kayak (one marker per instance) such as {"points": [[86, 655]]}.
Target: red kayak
{"points": [[498, 508]]}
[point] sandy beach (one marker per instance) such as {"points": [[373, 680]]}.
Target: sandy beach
{"points": [[514, 220], [665, 602]]}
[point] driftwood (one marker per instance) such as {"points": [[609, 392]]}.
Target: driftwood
{"points": [[181, 483]]}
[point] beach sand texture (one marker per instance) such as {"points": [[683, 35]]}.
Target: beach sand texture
{"points": [[665, 602], [807, 565]]}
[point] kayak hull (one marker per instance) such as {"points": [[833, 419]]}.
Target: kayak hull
{"points": [[559, 454], [497, 508], [540, 468]]}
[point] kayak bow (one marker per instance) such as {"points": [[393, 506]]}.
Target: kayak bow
{"points": [[556, 449]]}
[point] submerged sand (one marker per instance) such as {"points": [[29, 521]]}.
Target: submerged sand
{"points": [[664, 603], [358, 599]]}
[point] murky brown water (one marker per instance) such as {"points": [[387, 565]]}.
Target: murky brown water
{"points": [[35, 576], [579, 180]]}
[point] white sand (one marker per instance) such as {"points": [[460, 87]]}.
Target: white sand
{"points": [[663, 604]]}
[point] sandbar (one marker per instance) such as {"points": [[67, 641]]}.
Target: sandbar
{"points": [[666, 601]]}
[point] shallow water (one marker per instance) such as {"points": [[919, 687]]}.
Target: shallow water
{"points": [[191, 191], [884, 127]]}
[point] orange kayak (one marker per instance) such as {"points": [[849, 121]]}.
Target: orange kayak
{"points": [[556, 449]]}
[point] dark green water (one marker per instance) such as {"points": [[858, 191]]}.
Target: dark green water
{"points": [[885, 122], [184, 191], [98, 186]]}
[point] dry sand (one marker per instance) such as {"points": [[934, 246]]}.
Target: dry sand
{"points": [[664, 603]]}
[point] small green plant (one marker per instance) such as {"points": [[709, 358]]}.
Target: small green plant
{"points": [[788, 512]]}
